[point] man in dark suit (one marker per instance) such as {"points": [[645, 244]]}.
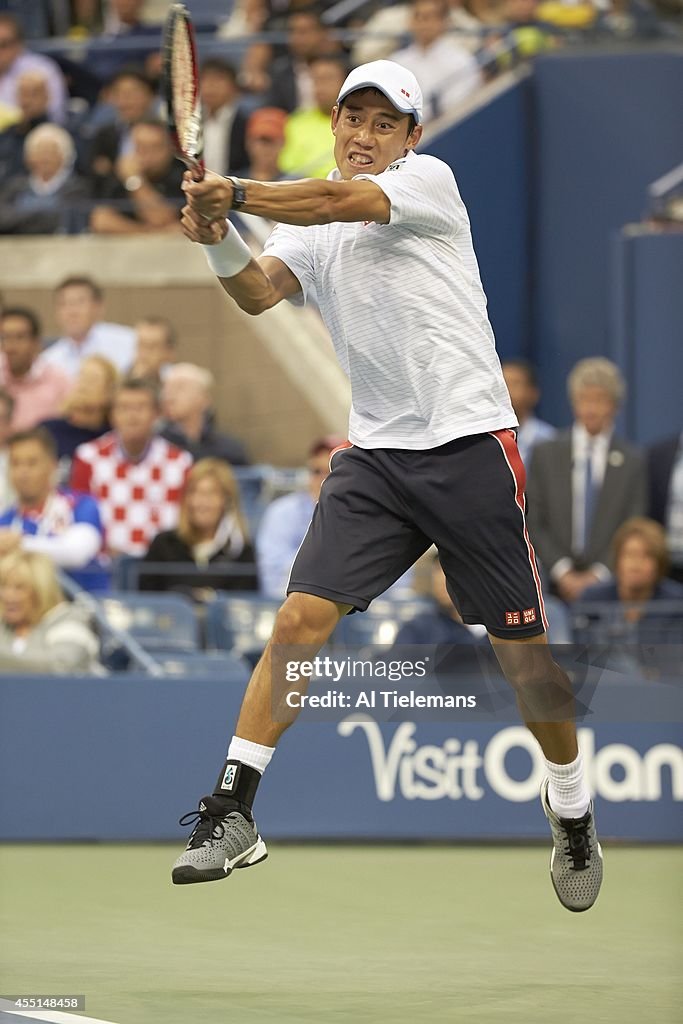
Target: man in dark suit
{"points": [[224, 123], [665, 476], [291, 85], [584, 484]]}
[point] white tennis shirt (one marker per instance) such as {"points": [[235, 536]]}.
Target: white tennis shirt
{"points": [[406, 310]]}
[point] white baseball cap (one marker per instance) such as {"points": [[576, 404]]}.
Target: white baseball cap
{"points": [[397, 83]]}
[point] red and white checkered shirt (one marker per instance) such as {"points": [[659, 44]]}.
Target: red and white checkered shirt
{"points": [[137, 499]]}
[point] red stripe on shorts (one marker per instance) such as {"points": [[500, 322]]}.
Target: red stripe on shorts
{"points": [[508, 442]]}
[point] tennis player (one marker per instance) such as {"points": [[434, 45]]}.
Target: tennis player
{"points": [[432, 457]]}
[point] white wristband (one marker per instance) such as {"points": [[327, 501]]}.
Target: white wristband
{"points": [[230, 256]]}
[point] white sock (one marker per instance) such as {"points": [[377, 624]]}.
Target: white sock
{"points": [[253, 754], [568, 791]]}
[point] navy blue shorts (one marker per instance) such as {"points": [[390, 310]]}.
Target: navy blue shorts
{"points": [[381, 509]]}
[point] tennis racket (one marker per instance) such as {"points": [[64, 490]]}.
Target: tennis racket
{"points": [[181, 89]]}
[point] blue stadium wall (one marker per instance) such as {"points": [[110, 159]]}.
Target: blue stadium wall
{"points": [[123, 757], [551, 172]]}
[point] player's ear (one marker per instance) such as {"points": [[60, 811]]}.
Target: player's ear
{"points": [[335, 117], [414, 137]]}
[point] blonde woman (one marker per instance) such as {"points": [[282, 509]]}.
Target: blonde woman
{"points": [[212, 532], [85, 415], [39, 630]]}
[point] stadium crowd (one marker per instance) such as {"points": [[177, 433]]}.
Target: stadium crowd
{"points": [[82, 139], [110, 454]]}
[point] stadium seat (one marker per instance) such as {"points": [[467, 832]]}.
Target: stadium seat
{"points": [[379, 624], [223, 664], [159, 622], [240, 624]]}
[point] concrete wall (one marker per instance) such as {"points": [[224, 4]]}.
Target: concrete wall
{"points": [[261, 396]]}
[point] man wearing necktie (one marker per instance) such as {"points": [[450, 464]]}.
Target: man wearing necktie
{"points": [[584, 484]]}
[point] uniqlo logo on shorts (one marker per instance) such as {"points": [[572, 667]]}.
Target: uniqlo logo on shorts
{"points": [[529, 615], [513, 619]]}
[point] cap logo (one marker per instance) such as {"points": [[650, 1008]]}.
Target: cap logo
{"points": [[405, 93]]}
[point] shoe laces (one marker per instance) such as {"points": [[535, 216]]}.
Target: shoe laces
{"points": [[577, 842], [208, 826]]}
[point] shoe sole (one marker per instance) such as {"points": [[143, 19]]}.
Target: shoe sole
{"points": [[187, 875]]}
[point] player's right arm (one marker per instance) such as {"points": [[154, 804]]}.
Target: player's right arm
{"points": [[260, 284]]}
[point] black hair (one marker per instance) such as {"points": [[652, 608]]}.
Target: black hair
{"points": [[525, 366], [140, 384], [81, 281], [25, 314], [40, 435], [136, 74], [220, 67]]}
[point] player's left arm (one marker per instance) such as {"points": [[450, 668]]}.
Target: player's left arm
{"points": [[302, 203]]}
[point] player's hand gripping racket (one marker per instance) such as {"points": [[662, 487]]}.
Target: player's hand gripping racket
{"points": [[181, 89]]}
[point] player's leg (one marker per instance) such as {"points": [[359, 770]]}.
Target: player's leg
{"points": [[492, 576], [358, 544]]}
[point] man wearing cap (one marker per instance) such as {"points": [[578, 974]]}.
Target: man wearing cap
{"points": [[432, 456]]}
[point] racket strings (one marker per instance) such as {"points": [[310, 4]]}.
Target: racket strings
{"points": [[184, 89]]}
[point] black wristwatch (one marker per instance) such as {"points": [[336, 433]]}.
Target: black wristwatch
{"points": [[239, 193]]}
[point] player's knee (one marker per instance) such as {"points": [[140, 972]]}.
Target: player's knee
{"points": [[530, 668], [304, 618]]}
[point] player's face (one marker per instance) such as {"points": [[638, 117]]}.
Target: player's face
{"points": [[370, 134], [77, 310], [594, 409], [18, 344], [17, 599], [205, 505], [637, 568], [31, 471], [133, 416]]}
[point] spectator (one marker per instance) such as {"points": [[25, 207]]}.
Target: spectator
{"points": [[136, 477], [446, 71], [123, 24], [6, 411], [85, 415], [39, 630], [387, 26], [145, 185], [211, 532], [33, 99], [132, 97], [443, 623], [15, 60], [53, 521], [520, 378], [286, 521], [155, 348], [309, 150], [291, 85], [641, 562], [79, 305], [264, 141], [224, 123], [50, 197], [189, 422], [585, 484], [37, 390], [665, 475]]}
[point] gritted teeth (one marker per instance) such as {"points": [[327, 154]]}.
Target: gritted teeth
{"points": [[362, 159]]}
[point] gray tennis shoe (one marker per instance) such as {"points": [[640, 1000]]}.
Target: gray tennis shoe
{"points": [[219, 843], [576, 859]]}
